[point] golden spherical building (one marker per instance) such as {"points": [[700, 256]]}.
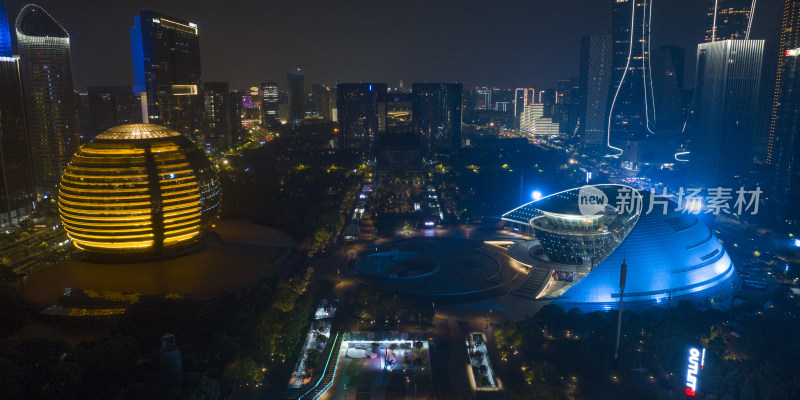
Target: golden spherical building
{"points": [[138, 188]]}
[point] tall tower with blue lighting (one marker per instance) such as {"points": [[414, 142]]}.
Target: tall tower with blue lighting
{"points": [[630, 102], [5, 31]]}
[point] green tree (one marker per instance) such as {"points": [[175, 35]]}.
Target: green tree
{"points": [[242, 372]]}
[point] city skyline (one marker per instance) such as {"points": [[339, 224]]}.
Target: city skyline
{"points": [[437, 45], [310, 200]]}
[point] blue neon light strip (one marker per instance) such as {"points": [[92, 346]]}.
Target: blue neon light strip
{"points": [[324, 370]]}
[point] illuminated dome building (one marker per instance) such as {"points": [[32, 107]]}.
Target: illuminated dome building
{"points": [[582, 237], [138, 188]]}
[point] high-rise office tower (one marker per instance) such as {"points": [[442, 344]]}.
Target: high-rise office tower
{"points": [[111, 106], [565, 111], [787, 139], [548, 99], [84, 116], [595, 80], [765, 94], [483, 99], [166, 72], [726, 92], [17, 192], [534, 123], [5, 31], [297, 97], [321, 101], [631, 111], [789, 39], [668, 86], [270, 103], [523, 97], [46, 69], [237, 130], [362, 114], [436, 114], [218, 116], [727, 19]]}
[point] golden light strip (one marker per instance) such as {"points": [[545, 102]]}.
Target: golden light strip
{"points": [[111, 236], [67, 173], [106, 212], [195, 197], [115, 204], [62, 194]]}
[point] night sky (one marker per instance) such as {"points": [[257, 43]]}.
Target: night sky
{"points": [[494, 43]]}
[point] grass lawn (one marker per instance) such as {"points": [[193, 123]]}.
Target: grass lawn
{"points": [[353, 371]]}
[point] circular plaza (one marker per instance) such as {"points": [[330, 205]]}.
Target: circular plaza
{"points": [[446, 268]]}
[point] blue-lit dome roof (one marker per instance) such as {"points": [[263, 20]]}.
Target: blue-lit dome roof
{"points": [[669, 254]]}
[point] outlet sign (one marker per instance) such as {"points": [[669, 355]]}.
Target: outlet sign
{"points": [[696, 360]]}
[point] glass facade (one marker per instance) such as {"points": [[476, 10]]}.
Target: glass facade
{"points": [[787, 139], [724, 116], [437, 114], [361, 114], [631, 112], [166, 69], [297, 97], [138, 188], [789, 39], [110, 106], [5, 31], [16, 180], [217, 115], [270, 103], [595, 79], [727, 19], [46, 69]]}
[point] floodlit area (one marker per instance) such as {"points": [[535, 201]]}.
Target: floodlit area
{"points": [[480, 371], [381, 368], [319, 332]]}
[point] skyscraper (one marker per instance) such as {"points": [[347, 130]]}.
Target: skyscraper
{"points": [[270, 103], [362, 114], [631, 111], [523, 97], [787, 138], [321, 101], [789, 39], [534, 123], [46, 69], [483, 100], [218, 116], [297, 97], [548, 98], [16, 179], [668, 86], [110, 106], [166, 72], [436, 114], [727, 19], [726, 92], [595, 80], [237, 130], [5, 31]]}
